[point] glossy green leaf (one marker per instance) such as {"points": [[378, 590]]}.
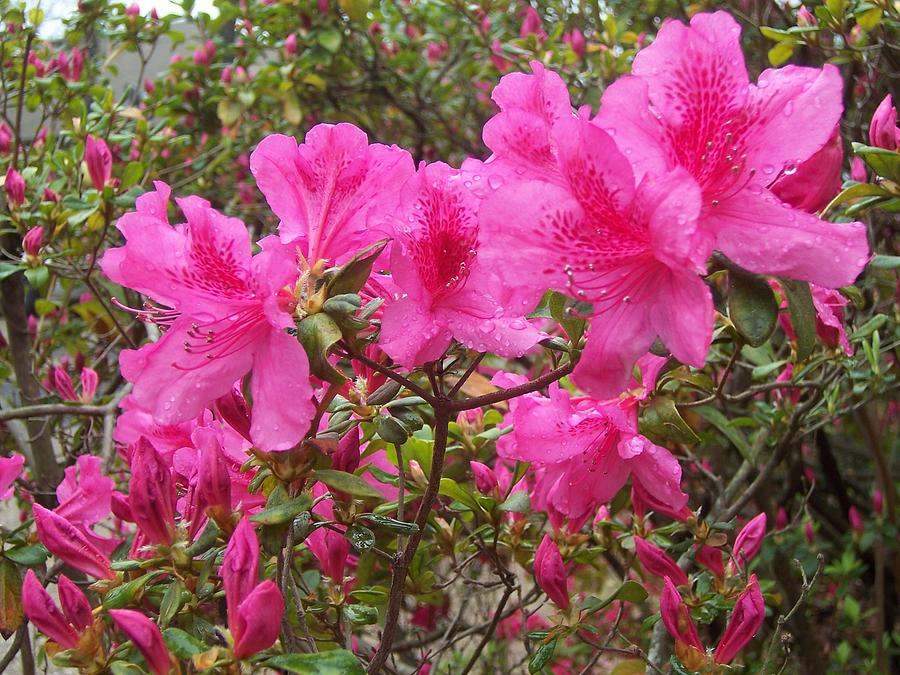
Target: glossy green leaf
{"points": [[752, 307], [335, 662]]}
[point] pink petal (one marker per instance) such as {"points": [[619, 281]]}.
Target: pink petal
{"points": [[259, 620], [765, 236], [695, 72], [410, 334], [175, 385], [683, 316], [659, 473], [792, 112], [282, 404]]}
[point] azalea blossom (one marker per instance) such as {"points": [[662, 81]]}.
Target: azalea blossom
{"points": [[327, 188], [225, 314], [586, 450], [569, 215], [448, 291], [85, 499], [690, 104]]}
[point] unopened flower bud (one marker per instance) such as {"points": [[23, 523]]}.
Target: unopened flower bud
{"points": [[678, 622], [99, 161], [656, 562], [417, 474], [151, 494], [15, 187], [746, 618], [883, 131], [858, 170], [145, 635], [290, 45], [806, 18], [750, 539], [550, 572], [877, 502], [33, 240], [856, 521], [89, 382], [485, 479]]}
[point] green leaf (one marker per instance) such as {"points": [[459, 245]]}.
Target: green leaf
{"points": [[228, 111], [330, 39], [183, 645], [132, 174], [630, 591], [573, 326], [348, 483], [803, 315], [28, 556], [542, 656], [8, 269], [353, 275], [450, 488], [856, 191], [342, 305], [206, 540], [355, 9], [885, 163], [127, 593], [752, 307], [10, 598], [335, 662], [385, 393], [361, 615], [392, 524], [720, 422], [171, 602], [391, 430], [885, 262], [782, 52], [662, 420], [318, 333], [517, 502], [283, 513], [361, 537], [869, 19]]}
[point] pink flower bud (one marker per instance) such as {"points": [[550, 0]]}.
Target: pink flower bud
{"points": [[781, 519], [575, 40], [201, 58], [99, 161], [5, 138], [121, 508], [805, 17], [240, 567], [10, 470], [149, 86], [676, 618], [213, 479], [346, 457], [89, 382], [50, 196], [74, 604], [531, 24], [375, 29], [711, 558], [746, 619], [40, 609], [33, 240], [856, 521], [210, 47], [550, 572], [290, 45], [485, 479], [15, 187], [602, 515], [331, 549], [133, 9], [657, 563], [151, 494], [324, 6], [77, 65], [877, 502], [858, 170], [258, 620], [883, 131], [62, 383], [67, 543], [809, 533], [750, 539], [145, 635]]}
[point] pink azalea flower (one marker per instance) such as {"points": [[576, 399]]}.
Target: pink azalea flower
{"points": [[532, 24], [449, 292], [586, 450], [325, 189], [227, 318], [690, 104], [584, 226], [10, 470], [85, 499]]}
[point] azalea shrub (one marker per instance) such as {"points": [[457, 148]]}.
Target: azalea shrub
{"points": [[450, 337]]}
